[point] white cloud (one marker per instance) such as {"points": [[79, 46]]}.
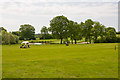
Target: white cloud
{"points": [[39, 13], [59, 1], [107, 9]]}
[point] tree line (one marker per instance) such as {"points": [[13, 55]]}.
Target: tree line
{"points": [[64, 29], [8, 38]]}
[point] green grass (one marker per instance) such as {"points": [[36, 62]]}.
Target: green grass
{"points": [[60, 61], [54, 40]]}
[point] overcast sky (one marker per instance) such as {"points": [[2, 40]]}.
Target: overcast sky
{"points": [[14, 13]]}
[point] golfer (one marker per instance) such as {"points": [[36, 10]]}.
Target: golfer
{"points": [[28, 45]]}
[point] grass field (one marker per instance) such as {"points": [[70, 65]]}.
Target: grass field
{"points": [[60, 61], [54, 40]]}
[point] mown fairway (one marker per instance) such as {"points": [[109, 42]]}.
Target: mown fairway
{"points": [[60, 61]]}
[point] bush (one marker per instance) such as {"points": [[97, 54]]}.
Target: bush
{"points": [[106, 40], [47, 36], [111, 40], [20, 38], [118, 40], [12, 39], [33, 38], [8, 38], [17, 39]]}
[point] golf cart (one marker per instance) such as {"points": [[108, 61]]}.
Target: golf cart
{"points": [[24, 44]]}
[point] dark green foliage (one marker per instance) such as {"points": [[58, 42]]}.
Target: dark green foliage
{"points": [[118, 40], [21, 38], [27, 32], [47, 36], [96, 30], [74, 31], [16, 33], [110, 34], [1, 29], [58, 27], [44, 33], [62, 28], [88, 29], [44, 30]]}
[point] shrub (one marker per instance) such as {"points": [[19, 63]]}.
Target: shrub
{"points": [[118, 40], [8, 38], [106, 40]]}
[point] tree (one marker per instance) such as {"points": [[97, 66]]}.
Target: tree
{"points": [[58, 27], [12, 39], [88, 29], [27, 31], [8, 38], [1, 29], [44, 32], [5, 37], [74, 31], [83, 33], [70, 28], [16, 33], [98, 30], [110, 34], [102, 33]]}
